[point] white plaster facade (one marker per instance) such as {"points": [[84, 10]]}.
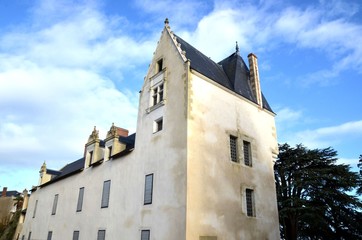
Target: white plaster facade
{"points": [[198, 192]]}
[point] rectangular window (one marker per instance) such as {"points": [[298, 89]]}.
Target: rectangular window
{"points": [[105, 193], [101, 235], [36, 205], [145, 235], [80, 199], [158, 125], [76, 235], [109, 152], [148, 189], [90, 157], [23, 237], [55, 203], [29, 236], [249, 195], [50, 233], [159, 65], [247, 153], [234, 148], [157, 94]]}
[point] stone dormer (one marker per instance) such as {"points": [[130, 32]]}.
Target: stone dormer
{"points": [[93, 153], [112, 143], [44, 176]]}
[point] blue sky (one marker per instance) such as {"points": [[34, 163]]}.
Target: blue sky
{"points": [[66, 66]]}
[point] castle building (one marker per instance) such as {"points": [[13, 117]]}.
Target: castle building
{"points": [[199, 167]]}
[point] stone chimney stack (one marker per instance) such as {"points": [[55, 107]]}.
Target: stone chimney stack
{"points": [[3, 194], [254, 78]]}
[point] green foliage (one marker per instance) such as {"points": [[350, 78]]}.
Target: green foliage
{"points": [[9, 230], [315, 199]]}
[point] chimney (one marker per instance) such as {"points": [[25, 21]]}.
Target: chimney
{"points": [[3, 194], [254, 78]]}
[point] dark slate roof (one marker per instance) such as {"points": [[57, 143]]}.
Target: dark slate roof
{"points": [[232, 72], [78, 165], [68, 170], [129, 141], [11, 194]]}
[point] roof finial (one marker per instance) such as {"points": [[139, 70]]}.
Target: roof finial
{"points": [[166, 21], [237, 47]]}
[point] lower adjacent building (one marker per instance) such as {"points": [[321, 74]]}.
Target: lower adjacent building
{"points": [[199, 167]]}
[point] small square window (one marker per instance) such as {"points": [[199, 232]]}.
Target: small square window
{"points": [[158, 125]]}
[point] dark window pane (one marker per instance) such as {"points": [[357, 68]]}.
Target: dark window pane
{"points": [[145, 235], [80, 199], [75, 235], [148, 189], [55, 203], [247, 156], [249, 202], [105, 194], [101, 235], [233, 149]]}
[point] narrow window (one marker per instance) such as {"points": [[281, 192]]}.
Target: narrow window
{"points": [[158, 125], [80, 199], [105, 193], [50, 233], [145, 235], [249, 195], [101, 235], [155, 96], [247, 151], [55, 203], [23, 237], [159, 65], [160, 93], [36, 205], [233, 148], [76, 235], [29, 236], [109, 152], [148, 189], [90, 157]]}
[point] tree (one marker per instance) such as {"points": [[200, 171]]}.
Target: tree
{"points": [[315, 198], [359, 190]]}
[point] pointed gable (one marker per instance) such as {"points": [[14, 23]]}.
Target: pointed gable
{"points": [[232, 72]]}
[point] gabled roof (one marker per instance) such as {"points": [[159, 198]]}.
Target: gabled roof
{"points": [[77, 166], [67, 171], [232, 72]]}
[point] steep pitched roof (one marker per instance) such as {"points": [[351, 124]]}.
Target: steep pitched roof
{"points": [[232, 72]]}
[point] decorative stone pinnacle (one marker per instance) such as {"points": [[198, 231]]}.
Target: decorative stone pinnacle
{"points": [[166, 21], [237, 47], [94, 135]]}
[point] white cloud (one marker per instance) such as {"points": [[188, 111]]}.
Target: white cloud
{"points": [[55, 86], [327, 136]]}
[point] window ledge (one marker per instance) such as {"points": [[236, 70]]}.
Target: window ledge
{"points": [[154, 107]]}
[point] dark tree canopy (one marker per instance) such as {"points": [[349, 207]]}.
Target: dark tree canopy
{"points": [[316, 197]]}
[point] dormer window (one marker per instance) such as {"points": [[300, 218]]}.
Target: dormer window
{"points": [[159, 65], [90, 157], [109, 152]]}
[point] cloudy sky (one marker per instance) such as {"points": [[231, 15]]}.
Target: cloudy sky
{"points": [[66, 66]]}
